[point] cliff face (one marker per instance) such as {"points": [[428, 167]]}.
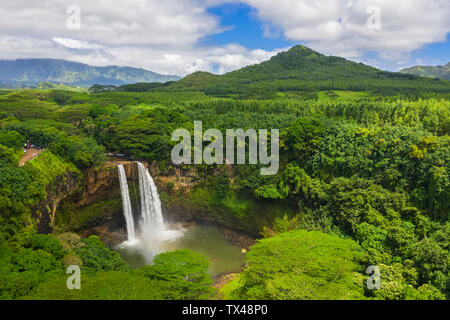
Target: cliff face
{"points": [[74, 192], [92, 203], [190, 195], [44, 213]]}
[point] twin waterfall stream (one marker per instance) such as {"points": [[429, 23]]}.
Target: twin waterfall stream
{"points": [[150, 231], [148, 234], [126, 204]]}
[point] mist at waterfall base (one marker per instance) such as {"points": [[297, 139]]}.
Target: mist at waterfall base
{"points": [[150, 235]]}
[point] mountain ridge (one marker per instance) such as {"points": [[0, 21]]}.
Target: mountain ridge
{"points": [[301, 69], [31, 72], [441, 72]]}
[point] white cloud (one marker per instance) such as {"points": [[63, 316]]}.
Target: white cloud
{"points": [[158, 35], [339, 27], [77, 44], [187, 60], [179, 61], [112, 22], [163, 35]]}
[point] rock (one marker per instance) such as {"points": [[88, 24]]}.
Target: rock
{"points": [[238, 238]]}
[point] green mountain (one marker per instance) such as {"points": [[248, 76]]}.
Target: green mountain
{"points": [[31, 72], [301, 69], [441, 72]]}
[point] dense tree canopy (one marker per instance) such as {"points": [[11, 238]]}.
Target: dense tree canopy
{"points": [[363, 180]]}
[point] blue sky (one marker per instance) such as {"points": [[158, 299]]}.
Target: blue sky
{"points": [[183, 36], [436, 53], [246, 29]]}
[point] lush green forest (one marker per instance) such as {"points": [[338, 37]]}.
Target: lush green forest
{"points": [[364, 180]]}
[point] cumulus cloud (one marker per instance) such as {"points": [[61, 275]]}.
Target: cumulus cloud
{"points": [[176, 61], [112, 22], [159, 35], [164, 35], [188, 60], [340, 27], [77, 44]]}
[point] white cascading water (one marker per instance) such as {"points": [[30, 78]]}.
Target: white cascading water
{"points": [[127, 212], [150, 204], [152, 232]]}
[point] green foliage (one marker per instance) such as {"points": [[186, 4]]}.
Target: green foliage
{"points": [[432, 261], [146, 134], [442, 72], [60, 97], [222, 185], [34, 260], [37, 272], [24, 187], [398, 283], [365, 155], [353, 201], [371, 237], [302, 138], [8, 157], [185, 273], [174, 275], [110, 285], [302, 69], [97, 257], [12, 139], [268, 192], [47, 244], [302, 265], [296, 184], [83, 152], [100, 110], [83, 218], [23, 271], [229, 289]]}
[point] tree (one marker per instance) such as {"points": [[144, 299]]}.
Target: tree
{"points": [[302, 265], [399, 282], [97, 257], [302, 138], [60, 97], [432, 261], [12, 139], [297, 185], [184, 271], [48, 244]]}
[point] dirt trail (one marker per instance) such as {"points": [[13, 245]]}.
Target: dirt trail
{"points": [[222, 280], [29, 154]]}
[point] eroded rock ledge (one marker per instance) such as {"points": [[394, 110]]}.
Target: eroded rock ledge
{"points": [[74, 194]]}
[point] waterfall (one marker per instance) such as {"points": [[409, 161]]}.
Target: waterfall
{"points": [[151, 234], [151, 214], [127, 212]]}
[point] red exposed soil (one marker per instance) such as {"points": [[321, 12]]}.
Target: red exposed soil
{"points": [[29, 154]]}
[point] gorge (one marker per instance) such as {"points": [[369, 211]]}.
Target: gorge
{"points": [[152, 232], [149, 235]]}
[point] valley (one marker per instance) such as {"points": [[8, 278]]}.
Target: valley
{"points": [[363, 180]]}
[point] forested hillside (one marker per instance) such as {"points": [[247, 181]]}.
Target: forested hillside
{"points": [[364, 180], [441, 72], [302, 69]]}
